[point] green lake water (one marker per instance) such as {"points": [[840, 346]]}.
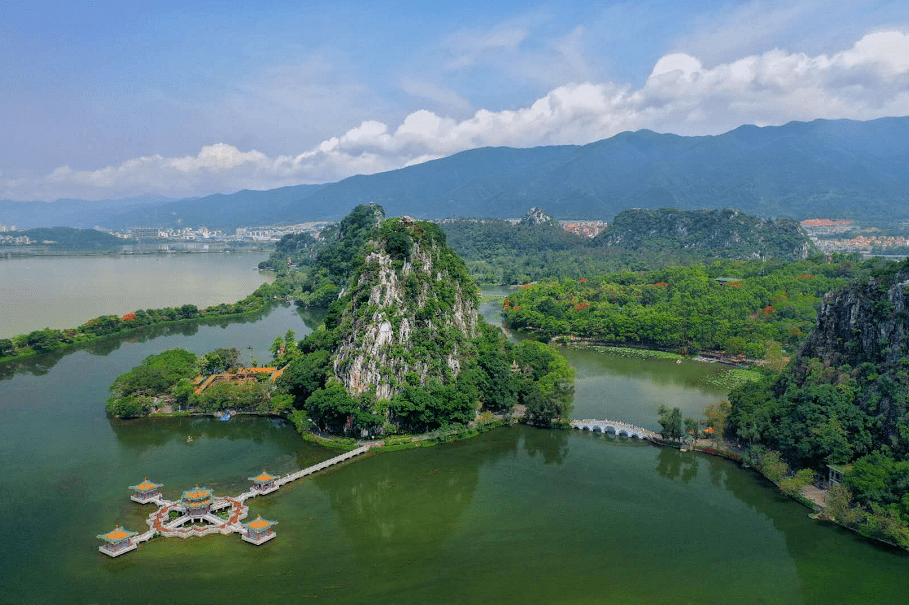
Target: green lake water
{"points": [[517, 515], [66, 291]]}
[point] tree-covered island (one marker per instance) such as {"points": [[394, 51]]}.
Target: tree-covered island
{"points": [[402, 348]]}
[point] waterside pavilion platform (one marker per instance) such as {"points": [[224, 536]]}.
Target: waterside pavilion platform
{"points": [[117, 542], [264, 483], [147, 491], [258, 531], [199, 512]]}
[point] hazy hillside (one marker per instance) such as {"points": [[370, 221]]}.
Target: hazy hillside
{"points": [[833, 168], [73, 213], [838, 168], [227, 210], [72, 238]]}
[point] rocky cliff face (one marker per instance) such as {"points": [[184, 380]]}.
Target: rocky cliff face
{"points": [[535, 217], [864, 323], [409, 314]]}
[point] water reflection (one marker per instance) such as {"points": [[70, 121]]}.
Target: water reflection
{"points": [[312, 318], [673, 464], [406, 506], [140, 434], [591, 364], [551, 445]]}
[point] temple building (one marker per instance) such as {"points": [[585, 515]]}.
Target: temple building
{"points": [[258, 531], [117, 542], [145, 491], [197, 501], [264, 483]]}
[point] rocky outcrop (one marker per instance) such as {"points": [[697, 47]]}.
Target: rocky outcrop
{"points": [[535, 217], [864, 323], [409, 314]]}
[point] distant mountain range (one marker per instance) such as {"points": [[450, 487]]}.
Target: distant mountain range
{"points": [[830, 168], [73, 213]]}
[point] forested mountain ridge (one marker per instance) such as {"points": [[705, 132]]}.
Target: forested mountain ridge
{"points": [[838, 168], [537, 248], [726, 233]]}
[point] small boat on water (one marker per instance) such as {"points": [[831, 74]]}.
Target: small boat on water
{"points": [[189, 439], [224, 417]]}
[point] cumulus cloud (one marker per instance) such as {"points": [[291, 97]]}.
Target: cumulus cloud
{"points": [[869, 80], [470, 46]]}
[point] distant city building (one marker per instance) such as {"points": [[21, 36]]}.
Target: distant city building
{"points": [[583, 228], [144, 233]]}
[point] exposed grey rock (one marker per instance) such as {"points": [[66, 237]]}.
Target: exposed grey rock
{"points": [[389, 318]]}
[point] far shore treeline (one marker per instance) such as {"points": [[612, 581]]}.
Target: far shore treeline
{"points": [[49, 339]]}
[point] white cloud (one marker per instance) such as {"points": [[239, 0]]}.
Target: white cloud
{"points": [[470, 46], [869, 80], [445, 98]]}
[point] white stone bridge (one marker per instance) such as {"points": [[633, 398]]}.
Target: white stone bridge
{"points": [[622, 429]]}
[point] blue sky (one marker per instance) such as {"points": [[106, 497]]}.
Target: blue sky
{"points": [[113, 99]]}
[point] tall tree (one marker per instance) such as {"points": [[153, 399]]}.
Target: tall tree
{"points": [[671, 421]]}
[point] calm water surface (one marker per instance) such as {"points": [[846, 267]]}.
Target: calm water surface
{"points": [[67, 291], [518, 515]]}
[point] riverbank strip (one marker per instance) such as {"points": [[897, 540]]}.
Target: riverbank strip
{"points": [[648, 351], [819, 511], [51, 340]]}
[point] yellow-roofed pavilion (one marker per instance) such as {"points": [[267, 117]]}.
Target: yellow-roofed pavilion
{"points": [[117, 541], [258, 531], [145, 491]]}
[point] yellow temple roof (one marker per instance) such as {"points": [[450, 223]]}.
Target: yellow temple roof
{"points": [[256, 370], [117, 535], [146, 485], [263, 478], [197, 494], [259, 523]]}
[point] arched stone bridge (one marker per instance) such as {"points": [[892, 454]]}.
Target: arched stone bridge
{"points": [[622, 429]]}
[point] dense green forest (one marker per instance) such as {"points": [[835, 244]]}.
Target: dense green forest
{"points": [[693, 235], [166, 379], [844, 401], [500, 252], [496, 377], [315, 270], [737, 306]]}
